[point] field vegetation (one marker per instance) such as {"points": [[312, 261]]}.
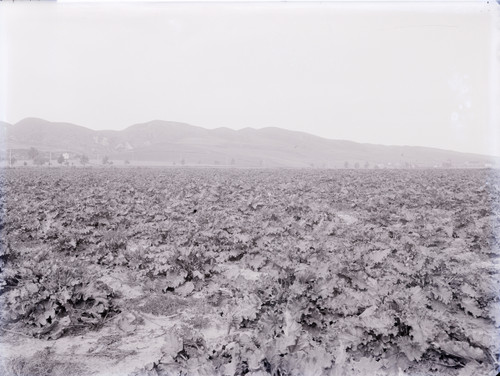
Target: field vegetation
{"points": [[250, 272]]}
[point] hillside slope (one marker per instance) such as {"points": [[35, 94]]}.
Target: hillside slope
{"points": [[164, 142]]}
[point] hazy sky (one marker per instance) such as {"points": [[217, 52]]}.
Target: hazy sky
{"points": [[415, 74]]}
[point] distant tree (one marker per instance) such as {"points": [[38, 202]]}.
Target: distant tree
{"points": [[60, 159], [346, 164], [216, 162], [233, 162], [40, 160], [13, 161], [367, 164], [105, 160], [33, 153], [127, 162], [356, 165], [25, 163], [183, 161], [84, 159]]}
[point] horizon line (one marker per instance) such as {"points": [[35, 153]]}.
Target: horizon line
{"points": [[246, 128]]}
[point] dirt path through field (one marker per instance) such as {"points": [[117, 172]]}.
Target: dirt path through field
{"points": [[134, 339], [131, 340]]}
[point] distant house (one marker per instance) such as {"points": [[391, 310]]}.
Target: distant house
{"points": [[65, 156]]}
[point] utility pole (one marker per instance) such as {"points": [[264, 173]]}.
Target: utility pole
{"points": [[10, 157]]}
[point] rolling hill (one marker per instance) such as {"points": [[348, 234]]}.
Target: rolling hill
{"points": [[163, 142]]}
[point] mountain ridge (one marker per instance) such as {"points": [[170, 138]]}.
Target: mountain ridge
{"points": [[170, 142]]}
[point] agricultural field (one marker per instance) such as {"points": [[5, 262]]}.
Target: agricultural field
{"points": [[142, 272]]}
